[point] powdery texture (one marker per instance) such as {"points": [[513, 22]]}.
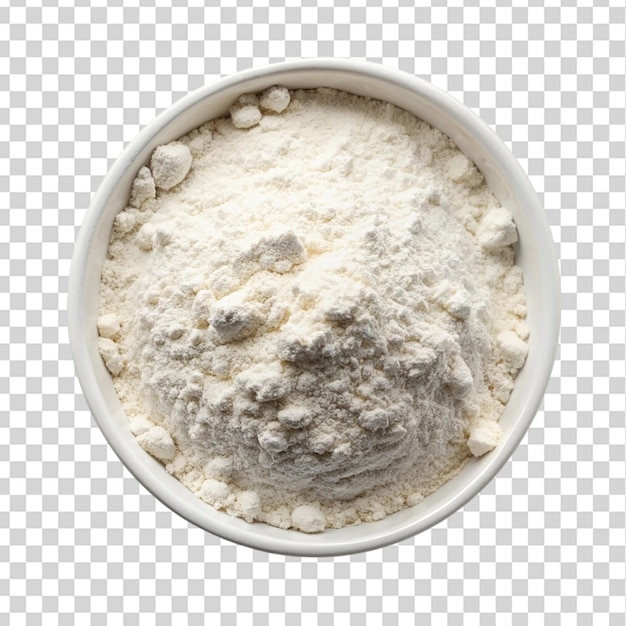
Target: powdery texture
{"points": [[322, 314]]}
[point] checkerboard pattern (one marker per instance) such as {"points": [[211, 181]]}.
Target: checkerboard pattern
{"points": [[82, 542]]}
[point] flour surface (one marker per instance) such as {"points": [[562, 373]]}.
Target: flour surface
{"points": [[311, 309]]}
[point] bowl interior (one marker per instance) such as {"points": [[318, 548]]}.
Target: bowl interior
{"points": [[534, 253]]}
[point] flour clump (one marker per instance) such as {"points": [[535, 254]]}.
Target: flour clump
{"points": [[169, 165], [310, 309]]}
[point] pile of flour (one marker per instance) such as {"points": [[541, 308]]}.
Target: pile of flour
{"points": [[311, 309]]}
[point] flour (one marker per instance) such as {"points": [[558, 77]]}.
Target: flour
{"points": [[169, 164], [311, 309]]}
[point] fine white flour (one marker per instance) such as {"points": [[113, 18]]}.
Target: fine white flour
{"points": [[311, 309]]}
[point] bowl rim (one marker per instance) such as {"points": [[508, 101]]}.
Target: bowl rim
{"points": [[480, 132]]}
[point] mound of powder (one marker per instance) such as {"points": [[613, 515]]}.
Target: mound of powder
{"points": [[311, 309]]}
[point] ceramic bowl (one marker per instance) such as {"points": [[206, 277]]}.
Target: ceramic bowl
{"points": [[535, 254]]}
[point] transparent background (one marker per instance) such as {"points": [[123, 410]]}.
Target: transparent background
{"points": [[80, 540]]}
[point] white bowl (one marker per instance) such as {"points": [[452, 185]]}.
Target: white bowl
{"points": [[535, 254]]}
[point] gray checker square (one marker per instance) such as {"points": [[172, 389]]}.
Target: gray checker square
{"points": [[83, 542]]}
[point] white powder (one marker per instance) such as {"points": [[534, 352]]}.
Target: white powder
{"points": [[313, 318]]}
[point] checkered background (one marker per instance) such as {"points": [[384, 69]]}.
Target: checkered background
{"points": [[82, 542]]}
